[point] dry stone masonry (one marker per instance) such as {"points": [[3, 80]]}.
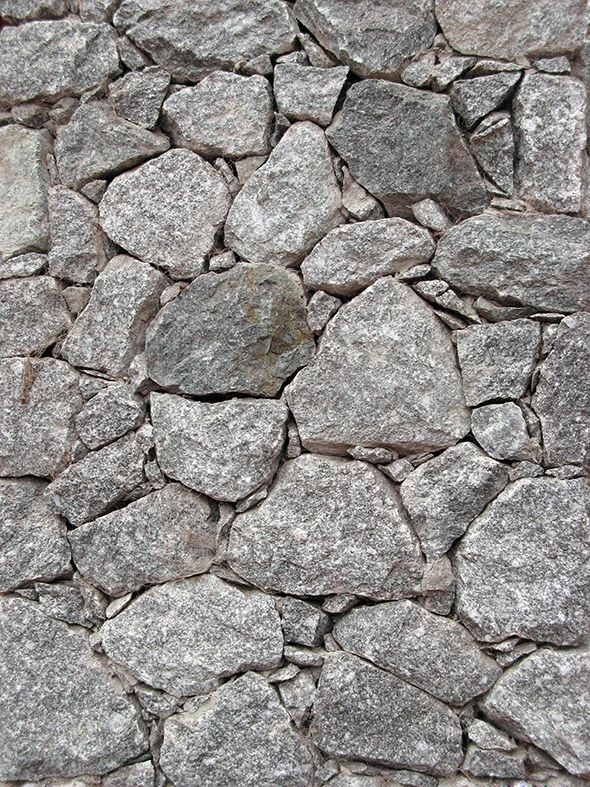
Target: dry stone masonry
{"points": [[294, 393]]}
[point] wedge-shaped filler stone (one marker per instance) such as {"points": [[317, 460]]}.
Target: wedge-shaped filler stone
{"points": [[385, 375], [328, 525], [241, 331], [213, 630], [33, 314], [61, 711]]}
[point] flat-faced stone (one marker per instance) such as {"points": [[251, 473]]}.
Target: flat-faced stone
{"points": [[110, 414], [167, 211], [475, 98], [33, 314], [403, 145], [23, 265], [213, 630], [351, 257], [306, 93], [328, 526], [259, 306], [522, 565], [501, 430], [138, 96], [365, 386], [492, 144], [303, 623]]}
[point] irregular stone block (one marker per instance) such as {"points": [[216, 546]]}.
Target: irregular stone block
{"points": [[33, 314], [492, 144], [502, 432], [138, 96], [110, 414], [25, 10], [475, 98], [306, 93], [303, 623]]}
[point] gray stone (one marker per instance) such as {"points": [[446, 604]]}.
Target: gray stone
{"points": [[166, 535], [225, 450], [167, 212], [303, 623], [351, 257], [521, 565], [441, 294], [260, 306], [398, 470], [475, 98], [374, 39], [138, 96], [419, 72], [192, 116], [430, 214], [501, 431], [110, 414], [488, 737], [97, 143], [532, 260], [353, 718], [298, 696], [213, 630], [26, 10], [48, 60], [550, 131], [429, 651], [375, 456], [76, 298], [306, 93], [403, 145], [438, 586], [111, 329], [241, 736], [483, 763], [139, 774], [357, 203], [320, 309], [94, 190], [449, 69], [444, 495], [191, 40], [553, 65], [78, 603], [327, 526], [492, 144], [97, 10], [367, 360], [304, 657], [62, 712], [22, 266], [288, 204]]}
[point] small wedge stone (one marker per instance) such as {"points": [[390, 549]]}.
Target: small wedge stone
{"points": [[110, 414]]}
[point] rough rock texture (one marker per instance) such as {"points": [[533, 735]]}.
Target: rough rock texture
{"points": [[305, 93], [475, 98], [501, 430], [138, 96], [110, 414], [492, 144]]}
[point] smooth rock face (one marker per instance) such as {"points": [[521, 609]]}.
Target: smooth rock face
{"points": [[492, 144], [403, 145], [350, 258], [289, 204], [241, 736], [306, 93], [62, 712], [534, 260], [365, 387], [327, 526], [260, 306], [353, 718], [521, 567], [33, 314], [373, 38], [213, 630], [544, 699], [225, 450]]}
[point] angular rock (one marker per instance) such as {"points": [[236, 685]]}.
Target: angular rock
{"points": [[242, 735], [488, 737], [483, 763], [213, 630], [303, 623], [289, 204], [502, 432], [77, 603], [111, 329], [492, 144], [327, 526], [225, 450], [22, 266], [110, 414], [351, 257], [193, 119], [167, 212], [298, 695], [521, 565], [533, 260], [320, 309], [475, 98], [365, 386], [403, 145], [448, 70], [33, 314], [357, 203], [139, 774], [62, 712], [550, 133], [306, 93], [353, 718], [138, 96], [445, 494], [260, 306], [26, 10]]}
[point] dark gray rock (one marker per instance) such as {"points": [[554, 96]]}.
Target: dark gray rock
{"points": [[484, 763], [492, 144], [110, 414], [138, 96], [303, 623], [475, 98], [306, 93], [501, 430]]}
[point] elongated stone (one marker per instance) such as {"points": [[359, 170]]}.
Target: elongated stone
{"points": [[492, 144], [33, 314]]}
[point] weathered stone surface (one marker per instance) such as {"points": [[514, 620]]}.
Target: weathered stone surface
{"points": [[502, 432], [111, 329], [167, 212], [492, 144], [430, 651], [97, 143], [225, 450], [321, 307], [74, 602], [351, 257], [110, 414], [562, 396], [374, 39], [298, 695], [23, 265], [327, 526], [25, 10], [430, 214], [482, 763], [33, 314], [288, 204], [138, 96], [475, 98], [550, 133], [192, 116], [241, 736], [403, 145], [48, 60], [367, 362], [521, 566], [306, 93], [512, 28], [303, 623], [166, 535], [539, 261], [62, 712], [260, 306], [444, 495], [544, 699], [39, 399], [23, 190], [353, 718], [213, 630], [139, 774], [488, 737]]}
